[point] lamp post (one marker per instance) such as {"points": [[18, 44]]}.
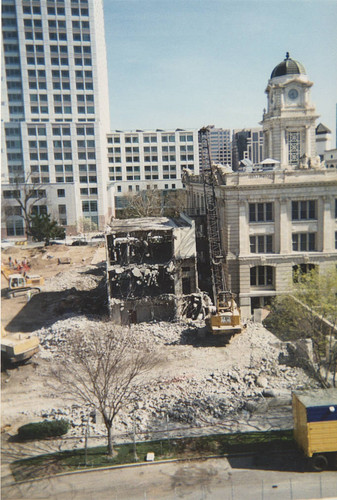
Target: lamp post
{"points": [[92, 415], [135, 456]]}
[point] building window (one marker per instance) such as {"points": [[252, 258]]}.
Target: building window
{"points": [[61, 193], [62, 214], [12, 194], [39, 210], [303, 210], [300, 270], [13, 210], [89, 206], [15, 226], [294, 147], [260, 212], [304, 242], [262, 276], [261, 244]]}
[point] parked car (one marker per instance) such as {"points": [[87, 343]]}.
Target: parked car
{"points": [[79, 243], [57, 242], [98, 237]]}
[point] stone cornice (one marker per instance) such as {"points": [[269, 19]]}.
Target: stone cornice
{"points": [[281, 85], [274, 259]]}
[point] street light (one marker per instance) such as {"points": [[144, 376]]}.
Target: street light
{"points": [[92, 416]]}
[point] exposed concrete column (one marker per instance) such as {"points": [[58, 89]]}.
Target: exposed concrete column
{"points": [[178, 287]]}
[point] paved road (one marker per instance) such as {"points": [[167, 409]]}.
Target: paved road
{"points": [[211, 479]]}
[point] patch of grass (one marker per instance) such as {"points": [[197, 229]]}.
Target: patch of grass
{"points": [[191, 447]]}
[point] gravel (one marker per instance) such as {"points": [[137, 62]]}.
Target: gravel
{"points": [[197, 385]]}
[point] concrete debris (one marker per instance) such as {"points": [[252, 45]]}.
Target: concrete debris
{"points": [[249, 380], [64, 260], [72, 279]]}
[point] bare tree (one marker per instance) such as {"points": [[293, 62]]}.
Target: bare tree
{"points": [[86, 225], [154, 203], [174, 202], [26, 195], [102, 369], [147, 203]]}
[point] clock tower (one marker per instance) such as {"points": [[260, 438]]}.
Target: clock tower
{"points": [[289, 121]]}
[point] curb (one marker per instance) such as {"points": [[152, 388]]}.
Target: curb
{"points": [[125, 466]]}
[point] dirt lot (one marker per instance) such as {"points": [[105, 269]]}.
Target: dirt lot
{"points": [[242, 384], [19, 385], [16, 314]]}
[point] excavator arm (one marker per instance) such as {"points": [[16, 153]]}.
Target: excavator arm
{"points": [[226, 319]]}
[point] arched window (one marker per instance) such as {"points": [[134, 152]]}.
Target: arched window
{"points": [[15, 226]]}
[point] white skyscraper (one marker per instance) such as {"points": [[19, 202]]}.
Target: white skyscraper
{"points": [[55, 111]]}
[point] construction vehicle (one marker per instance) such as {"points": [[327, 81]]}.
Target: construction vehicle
{"points": [[315, 426], [18, 347], [22, 283], [225, 319]]}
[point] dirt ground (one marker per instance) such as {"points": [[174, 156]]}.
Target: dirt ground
{"points": [[15, 315], [22, 385], [25, 388], [194, 375]]}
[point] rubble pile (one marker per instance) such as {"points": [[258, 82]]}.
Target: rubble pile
{"points": [[137, 280], [150, 335], [227, 381], [83, 280]]}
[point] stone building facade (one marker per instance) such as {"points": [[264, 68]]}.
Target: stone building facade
{"points": [[277, 223]]}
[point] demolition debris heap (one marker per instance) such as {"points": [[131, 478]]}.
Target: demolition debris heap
{"points": [[151, 269]]}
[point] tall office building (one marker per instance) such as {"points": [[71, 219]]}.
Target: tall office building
{"points": [[247, 144], [140, 160], [220, 145], [55, 112]]}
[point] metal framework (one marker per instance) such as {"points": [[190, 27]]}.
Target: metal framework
{"points": [[218, 260]]}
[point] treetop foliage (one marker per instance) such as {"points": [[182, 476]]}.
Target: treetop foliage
{"points": [[42, 228]]}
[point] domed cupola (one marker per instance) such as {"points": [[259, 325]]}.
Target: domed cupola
{"points": [[288, 67], [289, 120]]}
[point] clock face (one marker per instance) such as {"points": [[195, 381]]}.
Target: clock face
{"points": [[293, 94]]}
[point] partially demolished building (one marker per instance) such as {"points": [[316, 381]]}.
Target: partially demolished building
{"points": [[151, 269]]}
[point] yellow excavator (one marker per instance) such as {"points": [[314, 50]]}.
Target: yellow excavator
{"points": [[18, 347], [21, 283], [225, 318]]}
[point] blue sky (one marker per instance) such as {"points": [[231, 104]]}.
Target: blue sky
{"points": [[189, 63]]}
